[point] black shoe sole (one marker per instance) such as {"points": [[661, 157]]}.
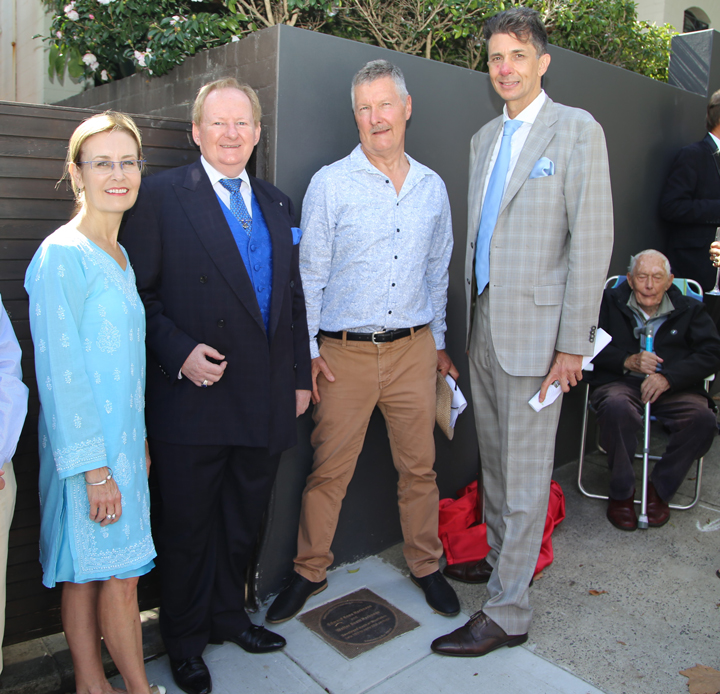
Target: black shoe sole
{"points": [[464, 580], [476, 583], [294, 614], [216, 641]]}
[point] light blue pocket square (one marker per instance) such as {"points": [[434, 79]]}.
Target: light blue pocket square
{"points": [[297, 235], [543, 167]]}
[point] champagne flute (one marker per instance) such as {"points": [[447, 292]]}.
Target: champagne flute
{"points": [[715, 291]]}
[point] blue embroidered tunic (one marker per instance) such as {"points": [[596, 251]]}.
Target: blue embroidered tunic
{"points": [[88, 328]]}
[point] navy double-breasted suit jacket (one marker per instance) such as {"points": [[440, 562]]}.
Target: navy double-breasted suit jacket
{"points": [[196, 289]]}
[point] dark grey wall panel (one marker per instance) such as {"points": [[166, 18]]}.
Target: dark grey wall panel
{"points": [[305, 90], [315, 126], [645, 124]]}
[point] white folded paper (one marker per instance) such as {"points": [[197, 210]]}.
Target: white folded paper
{"points": [[602, 340], [459, 403]]}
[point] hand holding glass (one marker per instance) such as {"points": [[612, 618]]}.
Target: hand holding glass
{"points": [[716, 289]]}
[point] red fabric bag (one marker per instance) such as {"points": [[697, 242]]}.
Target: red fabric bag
{"points": [[465, 538]]}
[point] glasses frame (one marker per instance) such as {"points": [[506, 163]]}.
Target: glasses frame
{"points": [[140, 163]]}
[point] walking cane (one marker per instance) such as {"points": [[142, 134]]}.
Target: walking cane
{"points": [[643, 519]]}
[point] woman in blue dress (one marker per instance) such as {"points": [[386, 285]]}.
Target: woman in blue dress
{"points": [[88, 328]]}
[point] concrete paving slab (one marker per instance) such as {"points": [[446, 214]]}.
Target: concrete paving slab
{"points": [[234, 671], [507, 670], [343, 676], [310, 666], [659, 613]]}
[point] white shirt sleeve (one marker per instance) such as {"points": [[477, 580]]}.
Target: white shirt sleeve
{"points": [[13, 392]]}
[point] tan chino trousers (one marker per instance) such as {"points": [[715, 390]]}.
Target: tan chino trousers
{"points": [[398, 377]]}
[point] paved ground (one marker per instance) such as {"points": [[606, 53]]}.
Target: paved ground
{"points": [[657, 613], [660, 612], [308, 665]]}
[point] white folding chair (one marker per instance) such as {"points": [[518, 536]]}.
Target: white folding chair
{"points": [[689, 288]]}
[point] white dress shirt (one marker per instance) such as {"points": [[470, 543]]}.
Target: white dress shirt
{"points": [[13, 392], [527, 116], [223, 193]]}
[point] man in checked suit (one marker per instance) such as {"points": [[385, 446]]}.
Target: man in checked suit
{"points": [[539, 241], [216, 261]]}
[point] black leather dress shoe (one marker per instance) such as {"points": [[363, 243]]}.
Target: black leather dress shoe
{"points": [[293, 598], [439, 594], [191, 675], [255, 639], [478, 637], [469, 571]]}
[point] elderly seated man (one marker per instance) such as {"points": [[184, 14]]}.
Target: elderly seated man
{"points": [[626, 376]]}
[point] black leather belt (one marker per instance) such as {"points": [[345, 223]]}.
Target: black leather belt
{"points": [[376, 337]]}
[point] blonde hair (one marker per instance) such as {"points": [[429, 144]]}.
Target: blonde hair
{"points": [[110, 121], [225, 83]]}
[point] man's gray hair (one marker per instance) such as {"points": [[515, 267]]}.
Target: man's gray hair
{"points": [[375, 70], [650, 251]]}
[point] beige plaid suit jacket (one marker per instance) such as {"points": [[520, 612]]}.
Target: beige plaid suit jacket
{"points": [[552, 243]]}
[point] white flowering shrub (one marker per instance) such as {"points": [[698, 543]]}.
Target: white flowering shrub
{"points": [[101, 40]]}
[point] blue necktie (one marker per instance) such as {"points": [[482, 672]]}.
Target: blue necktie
{"points": [[237, 204], [491, 206]]}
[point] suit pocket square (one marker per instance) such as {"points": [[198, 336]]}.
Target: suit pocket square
{"points": [[543, 167], [297, 235]]}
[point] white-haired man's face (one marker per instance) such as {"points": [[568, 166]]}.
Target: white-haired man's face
{"points": [[649, 281]]}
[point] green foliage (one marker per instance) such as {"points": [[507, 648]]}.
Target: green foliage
{"points": [[610, 31], [100, 40]]}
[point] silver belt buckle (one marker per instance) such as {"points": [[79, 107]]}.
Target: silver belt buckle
{"points": [[377, 332]]}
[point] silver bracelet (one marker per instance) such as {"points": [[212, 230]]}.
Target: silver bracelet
{"points": [[97, 484]]}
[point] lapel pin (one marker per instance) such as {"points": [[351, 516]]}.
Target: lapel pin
{"points": [[281, 204]]}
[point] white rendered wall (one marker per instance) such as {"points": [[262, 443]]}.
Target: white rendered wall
{"points": [[23, 60], [673, 11]]}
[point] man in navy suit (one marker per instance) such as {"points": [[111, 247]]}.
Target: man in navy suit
{"points": [[216, 260], [691, 203]]}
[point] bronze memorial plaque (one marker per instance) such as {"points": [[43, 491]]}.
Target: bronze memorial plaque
{"points": [[355, 623]]}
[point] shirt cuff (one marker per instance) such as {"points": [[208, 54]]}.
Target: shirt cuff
{"points": [[314, 349]]}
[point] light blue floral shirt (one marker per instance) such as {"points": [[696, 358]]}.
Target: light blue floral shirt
{"points": [[372, 259]]}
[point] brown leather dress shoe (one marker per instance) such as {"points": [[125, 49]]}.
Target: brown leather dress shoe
{"points": [[621, 513], [658, 512], [469, 571], [478, 637]]}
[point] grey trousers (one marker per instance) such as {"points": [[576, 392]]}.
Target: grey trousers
{"points": [[620, 410], [517, 448]]}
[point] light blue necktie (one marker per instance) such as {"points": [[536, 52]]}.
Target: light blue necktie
{"points": [[491, 206], [237, 204]]}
